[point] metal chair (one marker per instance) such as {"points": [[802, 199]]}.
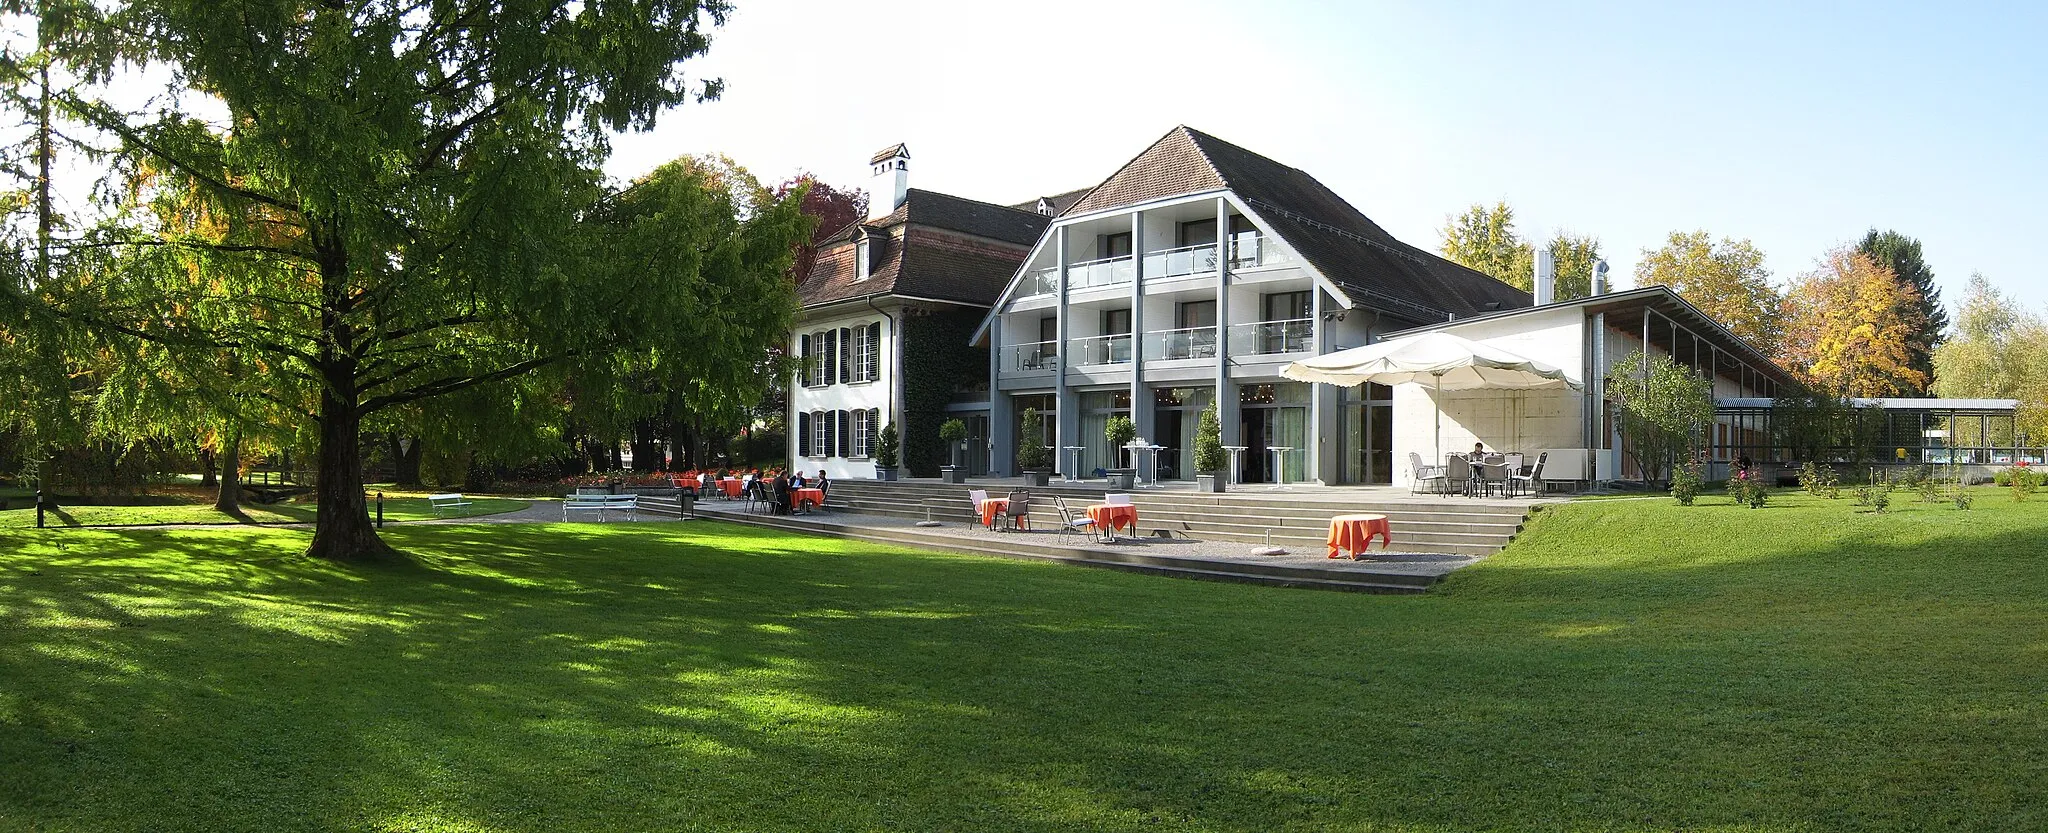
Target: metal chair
{"points": [[974, 499], [1457, 476], [1533, 480], [1422, 474], [1017, 514], [1069, 523]]}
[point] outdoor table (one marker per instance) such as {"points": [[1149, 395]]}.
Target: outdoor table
{"points": [[1109, 517], [1355, 532], [989, 507], [730, 486], [807, 497]]}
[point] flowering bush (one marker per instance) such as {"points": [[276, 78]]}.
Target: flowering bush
{"points": [[1686, 483], [2024, 480], [1747, 489]]}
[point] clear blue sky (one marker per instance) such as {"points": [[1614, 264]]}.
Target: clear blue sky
{"points": [[1796, 126]]}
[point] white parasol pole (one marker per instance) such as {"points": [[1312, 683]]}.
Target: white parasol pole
{"points": [[1438, 401]]}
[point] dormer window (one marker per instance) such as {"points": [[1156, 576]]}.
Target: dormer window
{"points": [[862, 257]]}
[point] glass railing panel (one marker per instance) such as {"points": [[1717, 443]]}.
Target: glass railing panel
{"points": [[1269, 337], [1249, 249], [1186, 343], [1099, 350], [1037, 357]]}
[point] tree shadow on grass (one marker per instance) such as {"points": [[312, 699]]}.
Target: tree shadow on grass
{"points": [[570, 677]]}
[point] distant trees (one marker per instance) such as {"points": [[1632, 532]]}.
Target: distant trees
{"points": [[1901, 254], [1998, 350], [1574, 256], [1850, 328], [1484, 239], [1725, 280]]}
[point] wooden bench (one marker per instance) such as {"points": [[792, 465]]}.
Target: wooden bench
{"points": [[630, 504], [452, 500]]}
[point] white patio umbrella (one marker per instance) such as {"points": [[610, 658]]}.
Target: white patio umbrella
{"points": [[1440, 360]]}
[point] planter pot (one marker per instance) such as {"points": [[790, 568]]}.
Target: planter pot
{"points": [[1123, 478], [1212, 482], [1037, 477], [885, 473], [953, 474]]}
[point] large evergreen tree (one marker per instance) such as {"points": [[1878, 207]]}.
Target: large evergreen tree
{"points": [[1902, 255], [407, 195]]}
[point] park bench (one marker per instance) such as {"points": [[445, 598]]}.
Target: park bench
{"points": [[452, 500], [630, 504]]}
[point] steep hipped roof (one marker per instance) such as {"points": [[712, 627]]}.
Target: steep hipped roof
{"points": [[922, 260], [1339, 241], [1056, 203]]}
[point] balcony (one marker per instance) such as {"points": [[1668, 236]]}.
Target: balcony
{"points": [[1271, 337], [1037, 357], [1186, 343], [1247, 250], [1099, 350]]}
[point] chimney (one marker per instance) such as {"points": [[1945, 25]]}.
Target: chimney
{"points": [[1600, 277], [1546, 277], [891, 178]]}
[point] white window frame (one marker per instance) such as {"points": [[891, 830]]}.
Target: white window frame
{"points": [[863, 354], [818, 449], [814, 374], [861, 431], [862, 257]]}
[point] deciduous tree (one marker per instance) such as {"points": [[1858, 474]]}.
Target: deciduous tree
{"points": [[1574, 256], [1998, 350], [1902, 255], [834, 208], [1725, 280], [1485, 239], [1849, 328], [1665, 409]]}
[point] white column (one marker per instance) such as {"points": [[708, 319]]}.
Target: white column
{"points": [[1141, 401], [1226, 391], [1069, 428]]}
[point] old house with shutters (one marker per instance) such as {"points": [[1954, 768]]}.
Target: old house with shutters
{"points": [[883, 320]]}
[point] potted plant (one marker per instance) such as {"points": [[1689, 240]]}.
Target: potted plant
{"points": [[1210, 457], [1033, 458], [954, 433], [1120, 431], [886, 450]]}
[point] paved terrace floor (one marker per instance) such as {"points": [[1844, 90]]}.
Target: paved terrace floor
{"points": [[1294, 492]]}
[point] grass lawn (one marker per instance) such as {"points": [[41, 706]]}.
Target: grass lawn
{"points": [[1627, 665], [395, 509]]}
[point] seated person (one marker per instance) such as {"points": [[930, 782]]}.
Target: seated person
{"points": [[819, 483], [780, 494], [796, 479]]}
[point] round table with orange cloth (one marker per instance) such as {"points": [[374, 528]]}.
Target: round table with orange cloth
{"points": [[1355, 533], [807, 497], [1109, 517], [730, 486], [989, 507]]}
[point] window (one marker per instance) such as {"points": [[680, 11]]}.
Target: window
{"points": [[863, 427], [1049, 334], [845, 355], [1115, 245], [863, 355], [1116, 322], [803, 434], [1286, 306], [1195, 314], [803, 351], [814, 371], [817, 448], [862, 256]]}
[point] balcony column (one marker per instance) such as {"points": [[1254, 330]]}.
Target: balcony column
{"points": [[1323, 456], [1226, 390], [1000, 452], [1141, 401], [1069, 428]]}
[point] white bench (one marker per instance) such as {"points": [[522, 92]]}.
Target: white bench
{"points": [[452, 500], [630, 504]]}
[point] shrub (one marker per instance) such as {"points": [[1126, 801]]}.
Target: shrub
{"points": [[1686, 483], [887, 447], [1120, 431], [1962, 498], [1209, 455], [1820, 480], [1032, 455], [1748, 489], [1877, 495], [2024, 480], [1930, 490]]}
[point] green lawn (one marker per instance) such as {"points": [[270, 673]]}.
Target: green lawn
{"points": [[395, 509], [1627, 665]]}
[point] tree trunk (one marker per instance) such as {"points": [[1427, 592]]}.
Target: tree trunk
{"points": [[207, 477], [229, 498], [342, 530]]}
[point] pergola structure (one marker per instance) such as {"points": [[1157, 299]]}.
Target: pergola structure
{"points": [[1912, 432]]}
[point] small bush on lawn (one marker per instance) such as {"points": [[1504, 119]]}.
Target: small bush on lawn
{"points": [[2024, 480], [1820, 480], [1748, 489], [1686, 483]]}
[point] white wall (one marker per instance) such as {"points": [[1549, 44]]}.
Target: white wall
{"points": [[841, 397], [1505, 420]]}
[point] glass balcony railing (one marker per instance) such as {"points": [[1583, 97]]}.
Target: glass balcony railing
{"points": [[1269, 337], [1186, 260], [1186, 343], [1040, 282], [1247, 249], [1038, 357], [1099, 350]]}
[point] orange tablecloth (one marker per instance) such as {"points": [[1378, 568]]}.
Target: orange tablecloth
{"points": [[989, 507], [811, 497], [1355, 532], [730, 486], [1109, 518]]}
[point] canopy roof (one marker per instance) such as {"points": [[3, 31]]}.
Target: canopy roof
{"points": [[1440, 360]]}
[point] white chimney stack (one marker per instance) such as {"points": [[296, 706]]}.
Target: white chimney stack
{"points": [[890, 170], [1546, 277]]}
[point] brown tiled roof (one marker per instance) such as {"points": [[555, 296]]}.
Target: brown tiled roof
{"points": [[1059, 202], [941, 258], [1351, 250], [890, 152]]}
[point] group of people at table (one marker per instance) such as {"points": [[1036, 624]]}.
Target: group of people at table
{"points": [[787, 492]]}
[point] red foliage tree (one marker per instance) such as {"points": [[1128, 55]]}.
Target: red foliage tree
{"points": [[834, 208]]}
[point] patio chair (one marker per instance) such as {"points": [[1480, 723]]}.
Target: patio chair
{"points": [[1457, 476], [1514, 463], [1490, 476], [1017, 515], [1534, 479], [974, 499], [1069, 523], [1421, 474]]}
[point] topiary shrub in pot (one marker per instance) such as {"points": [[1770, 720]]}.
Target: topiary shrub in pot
{"points": [[1034, 460], [954, 433], [887, 449], [1120, 431], [1210, 458]]}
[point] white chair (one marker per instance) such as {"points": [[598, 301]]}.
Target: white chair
{"points": [[1514, 463], [1117, 499], [1069, 523], [1534, 480], [1422, 474], [974, 499]]}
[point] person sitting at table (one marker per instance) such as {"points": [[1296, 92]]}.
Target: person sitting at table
{"points": [[781, 494], [1478, 452], [796, 479], [819, 483]]}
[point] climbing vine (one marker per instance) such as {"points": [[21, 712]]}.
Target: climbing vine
{"points": [[936, 361]]}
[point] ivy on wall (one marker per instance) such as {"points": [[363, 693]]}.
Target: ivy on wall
{"points": [[936, 360]]}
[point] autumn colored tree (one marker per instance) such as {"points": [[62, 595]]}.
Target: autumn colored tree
{"points": [[1998, 350], [1485, 239], [1725, 280], [1902, 255], [834, 208], [1849, 328], [1574, 256]]}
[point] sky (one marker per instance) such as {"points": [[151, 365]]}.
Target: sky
{"points": [[1796, 126]]}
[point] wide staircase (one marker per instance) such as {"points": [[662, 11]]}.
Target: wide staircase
{"points": [[1287, 519]]}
